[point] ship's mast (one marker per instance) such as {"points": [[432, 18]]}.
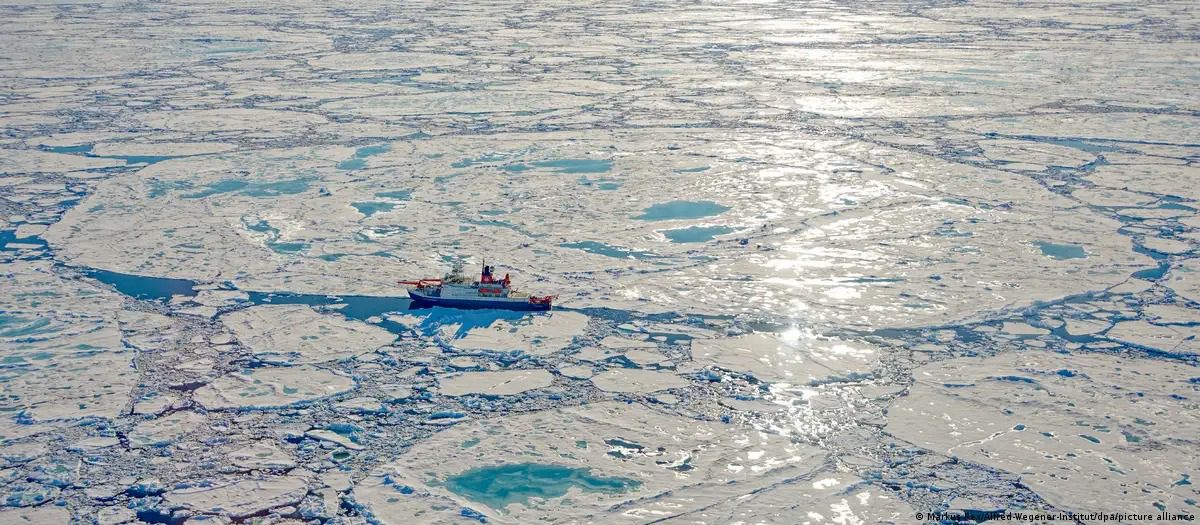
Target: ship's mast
{"points": [[455, 272]]}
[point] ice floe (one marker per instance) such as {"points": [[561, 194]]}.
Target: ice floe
{"points": [[331, 436], [233, 120], [272, 387], [297, 334], [790, 357], [499, 383], [43, 515], [826, 497], [1070, 425], [34, 161], [164, 430], [536, 334], [264, 455], [616, 462], [1185, 281], [1180, 340], [203, 221], [64, 353], [377, 61], [241, 499], [622, 380], [799, 259]]}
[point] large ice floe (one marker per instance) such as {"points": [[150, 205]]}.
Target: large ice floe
{"points": [[536, 334], [290, 219], [45, 515], [296, 334], [1074, 428], [790, 357], [610, 463], [63, 354], [501, 383], [272, 387], [243, 498], [814, 263], [619, 380]]}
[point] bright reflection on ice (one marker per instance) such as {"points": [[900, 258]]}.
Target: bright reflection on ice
{"points": [[805, 256]]}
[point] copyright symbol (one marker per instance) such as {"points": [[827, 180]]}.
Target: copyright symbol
{"points": [[920, 516]]}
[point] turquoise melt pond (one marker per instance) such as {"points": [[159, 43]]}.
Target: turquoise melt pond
{"points": [[1061, 251], [359, 160], [371, 208], [675, 210], [252, 189], [500, 485], [600, 248], [565, 166]]}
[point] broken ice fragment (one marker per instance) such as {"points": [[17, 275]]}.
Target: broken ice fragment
{"points": [[241, 499]]}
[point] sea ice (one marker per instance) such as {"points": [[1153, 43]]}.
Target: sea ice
{"points": [[500, 383], [787, 358], [17, 162], [264, 455], [333, 437], [232, 120], [577, 372], [297, 334], [384, 61], [1167, 246], [242, 499], [1181, 340], [537, 334], [1151, 174], [680, 466], [360, 404], [164, 430], [272, 387], [1185, 281], [1070, 425], [1086, 327], [115, 516], [691, 181], [825, 497], [1019, 328], [63, 350], [42, 515], [626, 381], [804, 260], [1171, 314], [159, 149]]}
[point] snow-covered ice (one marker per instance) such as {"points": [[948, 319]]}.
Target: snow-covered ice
{"points": [[815, 263]]}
